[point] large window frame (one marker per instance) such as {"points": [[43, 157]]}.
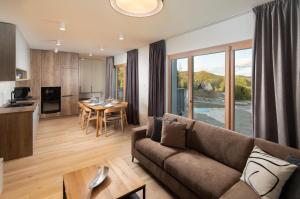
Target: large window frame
{"points": [[229, 50], [116, 80]]}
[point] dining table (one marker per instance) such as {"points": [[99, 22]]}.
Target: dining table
{"points": [[99, 108]]}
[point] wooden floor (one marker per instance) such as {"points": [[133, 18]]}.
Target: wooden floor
{"points": [[61, 147]]}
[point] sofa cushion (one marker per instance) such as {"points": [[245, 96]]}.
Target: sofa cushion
{"points": [[266, 174], [203, 175], [154, 150], [225, 146], [156, 134], [291, 188], [240, 191], [189, 123], [173, 134]]}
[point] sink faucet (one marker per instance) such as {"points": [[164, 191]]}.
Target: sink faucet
{"points": [[12, 101]]}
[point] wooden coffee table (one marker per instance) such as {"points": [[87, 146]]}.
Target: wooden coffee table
{"points": [[120, 183]]}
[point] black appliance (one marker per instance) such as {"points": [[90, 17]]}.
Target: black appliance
{"points": [[21, 93], [50, 100]]}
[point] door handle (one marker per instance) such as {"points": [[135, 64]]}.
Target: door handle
{"points": [[67, 95]]}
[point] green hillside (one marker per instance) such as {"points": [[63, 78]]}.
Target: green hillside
{"points": [[242, 83]]}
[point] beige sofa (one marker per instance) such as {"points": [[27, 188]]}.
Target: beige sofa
{"points": [[210, 167]]}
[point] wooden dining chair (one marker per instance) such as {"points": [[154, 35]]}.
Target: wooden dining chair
{"points": [[88, 115], [81, 119], [113, 114], [124, 112]]}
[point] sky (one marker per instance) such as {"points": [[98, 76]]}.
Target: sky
{"points": [[215, 63]]}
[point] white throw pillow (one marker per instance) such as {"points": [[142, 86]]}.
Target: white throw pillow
{"points": [[266, 174]]}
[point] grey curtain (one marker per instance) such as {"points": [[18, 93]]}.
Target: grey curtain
{"points": [[110, 78], [132, 87], [157, 64], [276, 88]]}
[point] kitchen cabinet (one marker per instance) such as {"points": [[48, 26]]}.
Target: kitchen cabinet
{"points": [[18, 131], [69, 83], [92, 76], [14, 54], [50, 69], [7, 52]]}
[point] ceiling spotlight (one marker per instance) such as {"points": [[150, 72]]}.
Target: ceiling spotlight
{"points": [[58, 43], [121, 37], [137, 8], [56, 50], [90, 54], [62, 26]]}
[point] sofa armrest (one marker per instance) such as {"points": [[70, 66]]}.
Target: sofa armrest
{"points": [[138, 133]]}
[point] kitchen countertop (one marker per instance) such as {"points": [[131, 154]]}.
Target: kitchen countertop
{"points": [[4, 110]]}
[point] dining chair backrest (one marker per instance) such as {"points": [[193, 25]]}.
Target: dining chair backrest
{"points": [[113, 110]]}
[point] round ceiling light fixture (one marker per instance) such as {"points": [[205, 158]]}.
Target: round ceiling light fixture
{"points": [[137, 8]]}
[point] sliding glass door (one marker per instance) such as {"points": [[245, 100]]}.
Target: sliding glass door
{"points": [[179, 79], [242, 91], [213, 85], [209, 88]]}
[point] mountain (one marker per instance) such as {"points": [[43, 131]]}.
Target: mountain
{"points": [[242, 83]]}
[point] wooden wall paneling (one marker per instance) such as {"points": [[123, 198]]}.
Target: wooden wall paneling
{"points": [[7, 52]]}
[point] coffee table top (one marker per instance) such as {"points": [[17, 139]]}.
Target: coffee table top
{"points": [[121, 181]]}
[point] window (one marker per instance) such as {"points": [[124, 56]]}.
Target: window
{"points": [[213, 85], [209, 88], [242, 91], [120, 81], [180, 86]]}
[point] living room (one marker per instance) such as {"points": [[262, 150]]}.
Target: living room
{"points": [[159, 99]]}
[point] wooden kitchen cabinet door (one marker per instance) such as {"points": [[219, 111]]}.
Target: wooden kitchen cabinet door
{"points": [[7, 52], [50, 69], [69, 91], [69, 60]]}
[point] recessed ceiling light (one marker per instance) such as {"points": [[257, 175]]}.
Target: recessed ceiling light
{"points": [[58, 43], [137, 8], [121, 37], [62, 26], [56, 50]]}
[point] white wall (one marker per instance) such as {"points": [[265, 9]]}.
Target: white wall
{"points": [[120, 59], [233, 30], [5, 90], [22, 53]]}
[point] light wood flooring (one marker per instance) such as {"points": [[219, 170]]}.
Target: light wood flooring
{"points": [[61, 147]]}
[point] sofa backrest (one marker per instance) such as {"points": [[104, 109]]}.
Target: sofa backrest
{"points": [[277, 150], [225, 146]]}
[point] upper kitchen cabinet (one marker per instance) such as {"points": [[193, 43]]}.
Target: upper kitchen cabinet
{"points": [[14, 54], [69, 60], [7, 52], [50, 69]]}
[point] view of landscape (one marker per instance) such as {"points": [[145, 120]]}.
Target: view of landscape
{"points": [[120, 72], [209, 89]]}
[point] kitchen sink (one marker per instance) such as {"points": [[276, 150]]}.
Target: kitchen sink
{"points": [[19, 104]]}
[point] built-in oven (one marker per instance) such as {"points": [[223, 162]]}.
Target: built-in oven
{"points": [[50, 100]]}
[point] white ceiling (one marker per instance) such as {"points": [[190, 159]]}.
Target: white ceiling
{"points": [[93, 23]]}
